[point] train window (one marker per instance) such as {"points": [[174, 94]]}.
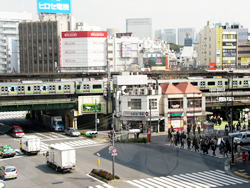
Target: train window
{"points": [[97, 86], [240, 82], [44, 88], [194, 83], [78, 87], [12, 89], [28, 88], [226, 83], [6, 89], [2, 88], [59, 87], [210, 83]]}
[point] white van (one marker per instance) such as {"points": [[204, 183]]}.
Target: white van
{"points": [[242, 138]]}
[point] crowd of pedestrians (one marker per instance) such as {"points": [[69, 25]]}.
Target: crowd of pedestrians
{"points": [[201, 143]]}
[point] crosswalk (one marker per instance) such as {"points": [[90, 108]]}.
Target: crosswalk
{"points": [[101, 186], [210, 152], [13, 114], [75, 144], [206, 179]]}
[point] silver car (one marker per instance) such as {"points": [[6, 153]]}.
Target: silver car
{"points": [[72, 132], [8, 172]]}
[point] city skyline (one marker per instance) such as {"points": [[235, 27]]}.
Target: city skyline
{"points": [[166, 14]]}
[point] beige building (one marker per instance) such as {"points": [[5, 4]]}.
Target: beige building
{"points": [[220, 45]]}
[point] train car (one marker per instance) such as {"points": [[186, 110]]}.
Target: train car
{"points": [[36, 88], [89, 87]]}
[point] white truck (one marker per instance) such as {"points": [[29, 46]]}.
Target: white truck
{"points": [[30, 144], [60, 156]]}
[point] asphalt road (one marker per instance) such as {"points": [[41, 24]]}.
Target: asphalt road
{"points": [[138, 165]]}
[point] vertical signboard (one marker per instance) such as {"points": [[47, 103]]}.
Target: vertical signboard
{"points": [[54, 6], [219, 47]]}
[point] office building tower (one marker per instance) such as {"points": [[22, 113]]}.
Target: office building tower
{"points": [[182, 34], [139, 27], [169, 35], [9, 40], [218, 44], [39, 44], [158, 35]]}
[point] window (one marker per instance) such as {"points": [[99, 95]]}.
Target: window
{"points": [[153, 103], [175, 103], [194, 102], [134, 104], [99, 86]]}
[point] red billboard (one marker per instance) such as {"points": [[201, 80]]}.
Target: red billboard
{"points": [[84, 34], [212, 66]]}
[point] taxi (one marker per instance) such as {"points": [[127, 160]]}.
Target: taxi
{"points": [[7, 151]]}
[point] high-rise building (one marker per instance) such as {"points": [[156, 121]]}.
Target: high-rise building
{"points": [[158, 34], [9, 40], [39, 43], [140, 27], [169, 35], [182, 34], [218, 44]]}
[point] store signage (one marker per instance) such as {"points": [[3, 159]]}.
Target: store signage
{"points": [[84, 34], [54, 6], [134, 113], [176, 114]]}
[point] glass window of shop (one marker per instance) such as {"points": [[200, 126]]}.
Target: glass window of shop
{"points": [[153, 103], [175, 103], [134, 104], [193, 102]]}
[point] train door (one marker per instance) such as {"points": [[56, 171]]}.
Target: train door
{"points": [[86, 88], [4, 90], [52, 89], [202, 85], [220, 84], [235, 83], [20, 90], [37, 89], [66, 88], [245, 84]]}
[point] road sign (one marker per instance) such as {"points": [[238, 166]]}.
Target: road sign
{"points": [[110, 148], [114, 152]]}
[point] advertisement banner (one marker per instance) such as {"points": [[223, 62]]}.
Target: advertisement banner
{"points": [[245, 60], [154, 61], [167, 62], [84, 34], [91, 107], [54, 6]]}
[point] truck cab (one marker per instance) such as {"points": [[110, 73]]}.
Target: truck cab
{"points": [[58, 123]]}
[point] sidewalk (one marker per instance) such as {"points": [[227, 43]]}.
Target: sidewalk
{"points": [[239, 168]]}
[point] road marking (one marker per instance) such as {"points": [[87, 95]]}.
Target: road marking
{"points": [[206, 179]]}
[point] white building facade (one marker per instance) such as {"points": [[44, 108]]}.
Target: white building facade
{"points": [[169, 35], [140, 27], [9, 40], [83, 49]]}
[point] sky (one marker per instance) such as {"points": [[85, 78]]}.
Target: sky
{"points": [[165, 14]]}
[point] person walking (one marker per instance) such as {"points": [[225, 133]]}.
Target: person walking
{"points": [[188, 142], [214, 144], [194, 127], [182, 142], [226, 130], [239, 149], [225, 150], [199, 129]]}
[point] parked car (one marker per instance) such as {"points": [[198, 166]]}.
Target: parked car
{"points": [[72, 132], [16, 131], [7, 151], [8, 172]]}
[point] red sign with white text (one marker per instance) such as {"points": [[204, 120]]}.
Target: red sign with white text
{"points": [[84, 34]]}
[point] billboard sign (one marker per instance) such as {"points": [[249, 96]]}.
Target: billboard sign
{"points": [[84, 34], [54, 6], [154, 61]]}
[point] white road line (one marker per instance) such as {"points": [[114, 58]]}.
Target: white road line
{"points": [[134, 184], [167, 182], [189, 182], [150, 183], [159, 183], [175, 182], [201, 180], [231, 177], [220, 178]]}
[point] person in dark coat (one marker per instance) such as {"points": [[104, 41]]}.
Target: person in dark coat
{"points": [[178, 137], [188, 142], [199, 129], [194, 127]]}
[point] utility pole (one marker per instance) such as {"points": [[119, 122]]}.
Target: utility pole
{"points": [[232, 147], [95, 117], [113, 144], [150, 126]]}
